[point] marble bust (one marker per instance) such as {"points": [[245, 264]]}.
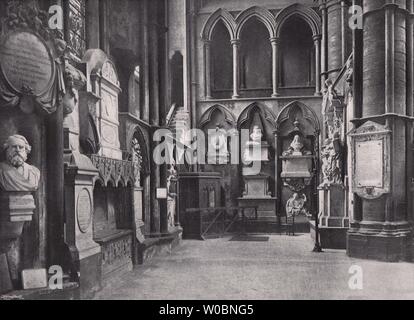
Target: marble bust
{"points": [[296, 148], [15, 173], [256, 136]]}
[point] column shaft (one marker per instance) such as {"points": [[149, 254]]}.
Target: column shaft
{"points": [[317, 40], [275, 65], [207, 46], [236, 69]]}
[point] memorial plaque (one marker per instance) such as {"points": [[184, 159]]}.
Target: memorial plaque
{"points": [[26, 63], [84, 210], [369, 164]]}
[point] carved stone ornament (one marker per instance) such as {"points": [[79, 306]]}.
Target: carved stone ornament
{"points": [[114, 170], [295, 206], [31, 59], [331, 158], [371, 166]]}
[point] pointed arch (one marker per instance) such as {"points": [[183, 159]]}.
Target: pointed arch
{"points": [[262, 14], [291, 109], [306, 13], [208, 115], [138, 134], [225, 17], [266, 113]]}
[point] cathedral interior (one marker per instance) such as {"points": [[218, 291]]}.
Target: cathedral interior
{"points": [[302, 113]]}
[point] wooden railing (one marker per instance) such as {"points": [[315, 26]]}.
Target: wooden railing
{"points": [[203, 223]]}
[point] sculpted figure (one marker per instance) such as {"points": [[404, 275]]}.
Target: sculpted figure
{"points": [[296, 148], [331, 163], [218, 141], [296, 205], [15, 173], [256, 135]]}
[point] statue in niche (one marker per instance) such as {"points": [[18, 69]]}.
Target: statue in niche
{"points": [[253, 149], [15, 173], [296, 148], [218, 141], [172, 194], [328, 97], [295, 206]]}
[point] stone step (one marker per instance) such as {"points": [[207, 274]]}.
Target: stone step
{"points": [[270, 226]]}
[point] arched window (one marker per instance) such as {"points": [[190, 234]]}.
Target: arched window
{"points": [[221, 62], [256, 60], [298, 56]]}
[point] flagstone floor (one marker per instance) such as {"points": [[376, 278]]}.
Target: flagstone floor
{"points": [[282, 268]]}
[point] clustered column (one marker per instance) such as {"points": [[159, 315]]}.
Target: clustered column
{"points": [[385, 89]]}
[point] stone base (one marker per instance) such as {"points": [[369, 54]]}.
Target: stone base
{"points": [[266, 207], [388, 247], [70, 292], [90, 276], [152, 247], [6, 284], [330, 237], [116, 247]]}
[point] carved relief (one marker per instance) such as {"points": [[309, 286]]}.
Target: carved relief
{"points": [[114, 170], [116, 253], [331, 162], [295, 206]]}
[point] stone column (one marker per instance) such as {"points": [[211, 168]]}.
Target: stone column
{"points": [[207, 55], [275, 67], [317, 41], [334, 37], [383, 231], [236, 69], [324, 44], [92, 24]]}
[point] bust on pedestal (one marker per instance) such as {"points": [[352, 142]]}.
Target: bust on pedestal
{"points": [[17, 182]]}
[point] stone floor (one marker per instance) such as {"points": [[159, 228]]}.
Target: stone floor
{"points": [[282, 268]]}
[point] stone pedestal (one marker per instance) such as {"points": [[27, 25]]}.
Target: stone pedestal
{"points": [[16, 208], [79, 204], [333, 219], [256, 194]]}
